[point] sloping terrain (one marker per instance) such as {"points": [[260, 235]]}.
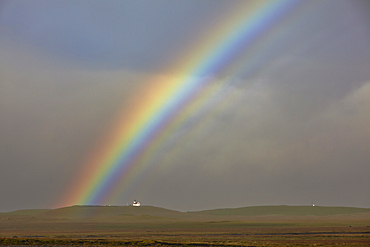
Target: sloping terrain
{"points": [[76, 212], [26, 212], [108, 211], [287, 210], [105, 225]]}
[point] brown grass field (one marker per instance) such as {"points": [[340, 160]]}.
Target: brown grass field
{"points": [[152, 226]]}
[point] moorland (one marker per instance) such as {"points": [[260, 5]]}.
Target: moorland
{"points": [[154, 226]]}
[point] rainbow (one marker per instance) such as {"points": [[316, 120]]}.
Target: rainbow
{"points": [[164, 107]]}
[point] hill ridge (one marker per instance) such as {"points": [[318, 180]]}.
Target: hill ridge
{"points": [[88, 211], [287, 210]]}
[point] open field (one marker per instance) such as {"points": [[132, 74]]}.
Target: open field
{"points": [[146, 225]]}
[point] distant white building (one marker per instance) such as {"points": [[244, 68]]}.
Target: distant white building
{"points": [[136, 203]]}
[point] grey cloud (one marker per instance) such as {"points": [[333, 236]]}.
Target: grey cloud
{"points": [[290, 124], [240, 163], [50, 119], [138, 35]]}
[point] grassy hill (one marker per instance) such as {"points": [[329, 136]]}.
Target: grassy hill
{"points": [[108, 211], [122, 221], [26, 212], [150, 212], [287, 210]]}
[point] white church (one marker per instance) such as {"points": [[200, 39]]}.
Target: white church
{"points": [[136, 204]]}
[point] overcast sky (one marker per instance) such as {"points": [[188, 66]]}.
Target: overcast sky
{"points": [[291, 124]]}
